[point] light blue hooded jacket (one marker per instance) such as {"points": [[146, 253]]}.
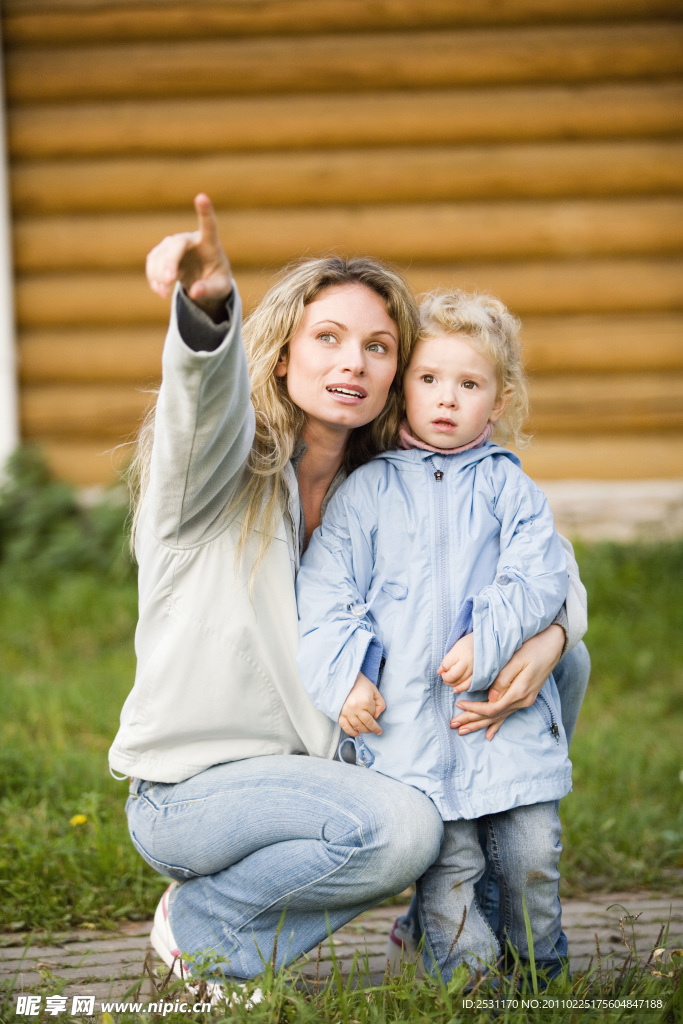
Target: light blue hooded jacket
{"points": [[417, 549]]}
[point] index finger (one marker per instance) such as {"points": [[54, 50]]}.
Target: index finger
{"points": [[208, 225]]}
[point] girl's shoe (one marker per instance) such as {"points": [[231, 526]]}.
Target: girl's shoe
{"points": [[401, 946], [166, 946]]}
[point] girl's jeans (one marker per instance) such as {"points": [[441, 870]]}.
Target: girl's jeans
{"points": [[317, 840], [524, 845], [571, 676]]}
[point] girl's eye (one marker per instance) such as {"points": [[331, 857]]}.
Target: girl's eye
{"points": [[469, 384], [428, 378]]}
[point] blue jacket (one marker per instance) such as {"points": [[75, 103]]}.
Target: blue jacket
{"points": [[417, 549]]}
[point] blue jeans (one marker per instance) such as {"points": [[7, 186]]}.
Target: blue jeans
{"points": [[571, 675], [524, 845], [250, 839]]}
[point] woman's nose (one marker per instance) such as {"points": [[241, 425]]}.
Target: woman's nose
{"points": [[353, 359]]}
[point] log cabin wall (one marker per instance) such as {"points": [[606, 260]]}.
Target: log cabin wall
{"points": [[526, 147]]}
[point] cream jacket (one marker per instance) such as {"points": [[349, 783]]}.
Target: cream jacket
{"points": [[216, 673]]}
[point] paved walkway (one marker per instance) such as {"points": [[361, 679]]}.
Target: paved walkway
{"points": [[114, 965]]}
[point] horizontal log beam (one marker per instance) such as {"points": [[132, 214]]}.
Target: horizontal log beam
{"points": [[28, 22], [611, 402], [531, 171], [189, 126], [420, 60], [71, 411], [582, 286], [601, 457], [639, 341], [606, 457], [88, 355], [92, 462], [574, 404], [422, 233], [569, 344]]}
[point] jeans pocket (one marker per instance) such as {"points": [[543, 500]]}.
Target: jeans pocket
{"points": [[137, 826]]}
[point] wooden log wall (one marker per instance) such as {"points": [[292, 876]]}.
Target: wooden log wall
{"points": [[532, 148]]}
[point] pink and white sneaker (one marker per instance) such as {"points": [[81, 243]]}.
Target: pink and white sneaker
{"points": [[166, 946], [161, 935]]}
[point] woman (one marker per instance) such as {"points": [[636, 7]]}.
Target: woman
{"points": [[231, 493]]}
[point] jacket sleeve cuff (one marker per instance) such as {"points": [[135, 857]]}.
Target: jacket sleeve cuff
{"points": [[372, 660], [197, 329], [562, 619], [462, 625]]}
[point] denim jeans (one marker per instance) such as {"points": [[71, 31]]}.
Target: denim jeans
{"points": [[571, 675], [318, 839], [524, 845]]}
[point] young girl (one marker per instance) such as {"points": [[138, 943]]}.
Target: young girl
{"points": [[434, 563]]}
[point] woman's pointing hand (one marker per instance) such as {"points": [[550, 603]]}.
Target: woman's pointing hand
{"points": [[197, 260]]}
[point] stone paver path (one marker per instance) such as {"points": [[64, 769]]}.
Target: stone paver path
{"points": [[116, 965]]}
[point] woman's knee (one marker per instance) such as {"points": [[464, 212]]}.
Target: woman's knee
{"points": [[409, 836]]}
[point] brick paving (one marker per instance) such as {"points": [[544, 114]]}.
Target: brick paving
{"points": [[115, 965]]}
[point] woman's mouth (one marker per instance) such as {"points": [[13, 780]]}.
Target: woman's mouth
{"points": [[349, 394]]}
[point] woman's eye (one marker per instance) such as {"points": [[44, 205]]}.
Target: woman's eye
{"points": [[327, 337], [377, 346]]}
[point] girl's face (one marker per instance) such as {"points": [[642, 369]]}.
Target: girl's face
{"points": [[451, 392], [341, 361]]}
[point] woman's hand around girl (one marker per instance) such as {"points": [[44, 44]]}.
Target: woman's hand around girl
{"points": [[362, 706], [517, 686], [197, 260]]}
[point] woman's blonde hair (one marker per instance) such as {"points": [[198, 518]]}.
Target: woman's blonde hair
{"points": [[494, 331], [279, 422]]}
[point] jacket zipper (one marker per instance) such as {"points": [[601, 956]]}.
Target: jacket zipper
{"points": [[443, 693], [546, 712]]}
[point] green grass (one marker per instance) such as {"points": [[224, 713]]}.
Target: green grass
{"points": [[623, 824], [641, 990]]}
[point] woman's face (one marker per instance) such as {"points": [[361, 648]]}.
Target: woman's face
{"points": [[342, 359]]}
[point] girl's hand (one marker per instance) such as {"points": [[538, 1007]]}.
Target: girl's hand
{"points": [[196, 259], [456, 668], [517, 685], [362, 706]]}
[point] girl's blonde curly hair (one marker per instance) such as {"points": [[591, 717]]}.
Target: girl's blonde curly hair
{"points": [[494, 331]]}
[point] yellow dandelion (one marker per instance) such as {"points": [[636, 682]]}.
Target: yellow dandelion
{"points": [[78, 819]]}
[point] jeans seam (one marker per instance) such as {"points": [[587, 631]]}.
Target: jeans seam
{"points": [[504, 901], [301, 888]]}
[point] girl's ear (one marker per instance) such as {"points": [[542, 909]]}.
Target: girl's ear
{"points": [[281, 365], [500, 406]]}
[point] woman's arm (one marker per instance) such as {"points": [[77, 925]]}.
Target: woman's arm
{"points": [[204, 420], [575, 622], [520, 681], [517, 685]]}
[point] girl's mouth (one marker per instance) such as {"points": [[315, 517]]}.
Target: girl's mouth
{"points": [[443, 424]]}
